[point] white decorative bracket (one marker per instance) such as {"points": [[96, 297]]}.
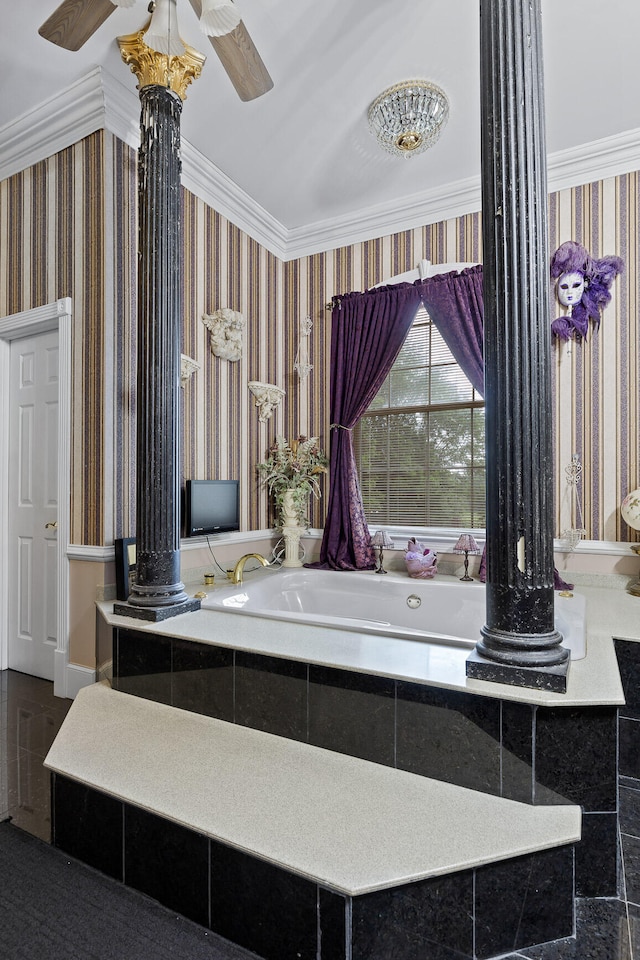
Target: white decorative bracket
{"points": [[225, 327], [188, 367], [268, 396], [302, 365]]}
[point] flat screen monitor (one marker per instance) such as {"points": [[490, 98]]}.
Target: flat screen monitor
{"points": [[211, 506]]}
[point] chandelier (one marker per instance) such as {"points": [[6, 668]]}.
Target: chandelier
{"points": [[409, 117]]}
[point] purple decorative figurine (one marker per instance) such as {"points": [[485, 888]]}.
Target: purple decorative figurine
{"points": [[421, 562]]}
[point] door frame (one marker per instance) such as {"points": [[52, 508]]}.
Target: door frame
{"points": [[51, 316]]}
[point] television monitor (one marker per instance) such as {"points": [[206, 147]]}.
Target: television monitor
{"points": [[211, 506]]}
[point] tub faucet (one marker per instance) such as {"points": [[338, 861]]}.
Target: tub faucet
{"points": [[236, 576]]}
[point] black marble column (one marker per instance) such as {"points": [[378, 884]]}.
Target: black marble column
{"points": [[157, 592], [519, 644]]}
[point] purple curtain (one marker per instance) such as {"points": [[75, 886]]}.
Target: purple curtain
{"points": [[367, 332], [454, 303]]}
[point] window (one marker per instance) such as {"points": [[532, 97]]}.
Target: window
{"points": [[420, 445]]}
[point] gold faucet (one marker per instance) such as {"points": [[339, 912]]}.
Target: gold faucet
{"points": [[236, 576]]}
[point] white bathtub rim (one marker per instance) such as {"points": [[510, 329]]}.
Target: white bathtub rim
{"points": [[222, 597]]}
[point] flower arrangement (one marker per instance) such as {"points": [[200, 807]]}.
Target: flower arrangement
{"points": [[293, 467]]}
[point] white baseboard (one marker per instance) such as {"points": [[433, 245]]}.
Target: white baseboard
{"points": [[70, 678]]}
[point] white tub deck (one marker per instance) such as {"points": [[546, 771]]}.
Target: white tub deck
{"points": [[593, 681]]}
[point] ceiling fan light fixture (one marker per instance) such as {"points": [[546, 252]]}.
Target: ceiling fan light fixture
{"points": [[409, 117], [219, 17], [163, 34]]}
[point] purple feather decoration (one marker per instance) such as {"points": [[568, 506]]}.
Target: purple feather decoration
{"points": [[570, 257], [562, 328], [579, 320]]}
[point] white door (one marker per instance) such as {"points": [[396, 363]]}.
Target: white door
{"points": [[33, 504]]}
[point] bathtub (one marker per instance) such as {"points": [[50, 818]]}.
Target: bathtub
{"points": [[441, 610]]}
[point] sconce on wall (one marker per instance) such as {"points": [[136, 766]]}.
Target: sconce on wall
{"points": [[226, 328], [268, 396], [302, 366], [573, 472], [188, 367]]}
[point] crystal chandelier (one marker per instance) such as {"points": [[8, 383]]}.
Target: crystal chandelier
{"points": [[409, 117]]}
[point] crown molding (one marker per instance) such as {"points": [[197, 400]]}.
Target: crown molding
{"points": [[431, 206], [98, 101], [121, 110], [208, 182], [598, 160], [54, 124]]}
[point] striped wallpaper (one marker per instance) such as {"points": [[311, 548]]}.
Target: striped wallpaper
{"points": [[597, 389], [68, 228], [52, 244]]}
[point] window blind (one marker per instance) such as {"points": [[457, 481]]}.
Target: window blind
{"points": [[420, 445]]}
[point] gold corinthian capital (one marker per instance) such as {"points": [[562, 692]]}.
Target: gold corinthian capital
{"points": [[151, 67]]}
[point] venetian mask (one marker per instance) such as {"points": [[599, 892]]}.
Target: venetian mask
{"points": [[570, 288]]}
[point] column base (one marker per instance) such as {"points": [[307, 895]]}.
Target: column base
{"points": [[155, 614], [552, 678], [291, 534]]}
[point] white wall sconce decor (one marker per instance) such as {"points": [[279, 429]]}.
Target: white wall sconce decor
{"points": [[409, 117], [188, 367], [302, 366], [268, 396], [226, 327], [573, 472]]}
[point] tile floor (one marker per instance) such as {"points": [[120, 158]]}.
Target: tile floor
{"points": [[30, 716]]}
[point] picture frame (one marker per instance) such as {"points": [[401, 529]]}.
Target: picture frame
{"points": [[125, 555]]}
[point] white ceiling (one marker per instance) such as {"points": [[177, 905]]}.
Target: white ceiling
{"points": [[302, 155]]}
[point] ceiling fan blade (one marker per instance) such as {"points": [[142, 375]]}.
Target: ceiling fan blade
{"points": [[241, 60], [75, 21], [243, 63]]}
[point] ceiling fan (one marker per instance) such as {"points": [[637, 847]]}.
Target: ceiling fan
{"points": [[75, 21]]}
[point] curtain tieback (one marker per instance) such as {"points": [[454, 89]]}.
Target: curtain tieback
{"points": [[339, 426]]}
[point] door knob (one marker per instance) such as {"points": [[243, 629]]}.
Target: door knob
{"points": [[51, 525]]}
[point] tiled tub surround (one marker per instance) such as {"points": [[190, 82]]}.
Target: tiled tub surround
{"points": [[405, 704], [299, 852], [629, 765]]}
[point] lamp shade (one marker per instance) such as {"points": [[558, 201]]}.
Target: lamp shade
{"points": [[630, 509], [381, 539], [219, 17], [466, 544], [163, 33]]}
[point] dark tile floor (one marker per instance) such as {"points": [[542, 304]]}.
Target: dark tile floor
{"points": [[30, 716]]}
